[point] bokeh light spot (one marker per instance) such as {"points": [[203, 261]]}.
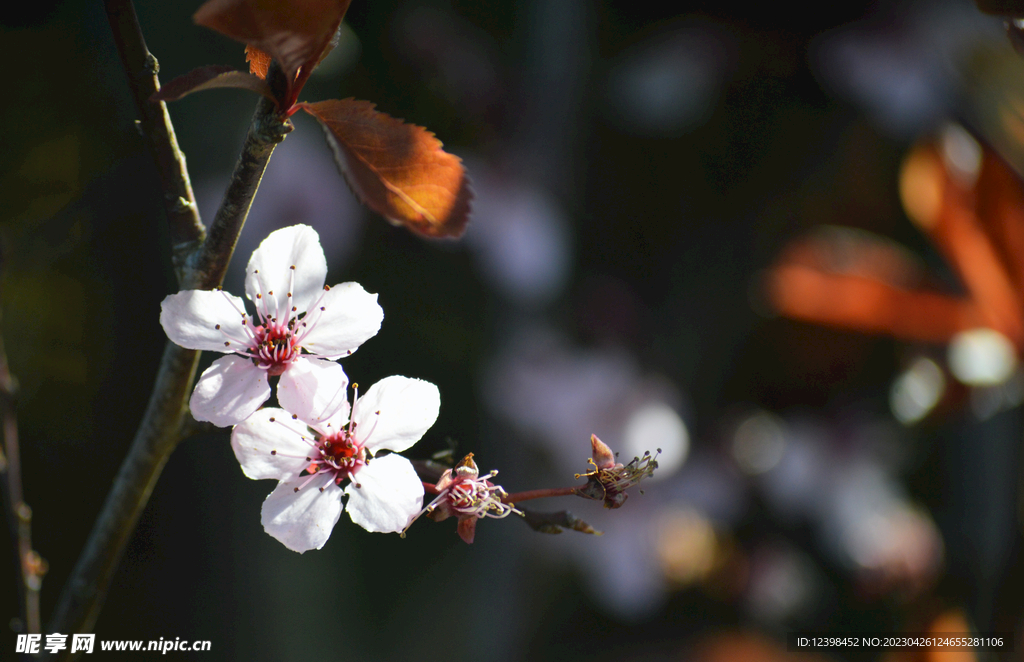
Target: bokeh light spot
{"points": [[655, 426]]}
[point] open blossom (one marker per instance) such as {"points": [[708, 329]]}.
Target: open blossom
{"points": [[463, 493], [316, 447], [299, 328]]}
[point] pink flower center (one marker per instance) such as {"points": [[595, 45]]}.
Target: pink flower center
{"points": [[275, 346], [276, 342], [466, 494], [469, 496], [340, 453], [473, 496]]}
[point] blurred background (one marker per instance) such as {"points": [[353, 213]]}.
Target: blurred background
{"points": [[638, 174]]}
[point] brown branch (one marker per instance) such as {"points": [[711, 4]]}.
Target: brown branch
{"points": [[166, 420], [158, 435], [186, 228], [540, 494]]}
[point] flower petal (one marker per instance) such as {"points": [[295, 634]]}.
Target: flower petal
{"points": [[343, 320], [315, 390], [395, 413], [292, 252], [202, 319], [385, 495], [302, 520], [229, 391], [270, 444]]}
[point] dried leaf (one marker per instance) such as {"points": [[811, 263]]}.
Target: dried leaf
{"points": [[208, 78], [399, 170], [259, 61], [293, 32], [556, 522]]}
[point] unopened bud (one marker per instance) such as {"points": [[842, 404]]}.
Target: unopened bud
{"points": [[603, 456], [467, 468]]}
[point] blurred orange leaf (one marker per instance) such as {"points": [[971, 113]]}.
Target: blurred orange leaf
{"points": [[975, 217], [866, 304], [856, 280], [1001, 211], [399, 170], [966, 240], [207, 78]]}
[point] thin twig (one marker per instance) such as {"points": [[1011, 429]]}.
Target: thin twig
{"points": [[540, 494], [154, 123], [165, 421], [30, 567], [163, 426]]}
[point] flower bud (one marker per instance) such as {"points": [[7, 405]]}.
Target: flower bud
{"points": [[603, 457]]}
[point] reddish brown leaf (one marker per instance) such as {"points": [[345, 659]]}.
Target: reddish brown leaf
{"points": [[259, 62], [399, 170], [208, 78], [331, 45], [293, 32]]}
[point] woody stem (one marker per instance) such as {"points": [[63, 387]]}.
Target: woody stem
{"points": [[166, 420], [186, 229]]}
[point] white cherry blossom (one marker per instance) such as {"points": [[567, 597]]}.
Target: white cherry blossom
{"points": [[311, 449], [299, 329]]}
